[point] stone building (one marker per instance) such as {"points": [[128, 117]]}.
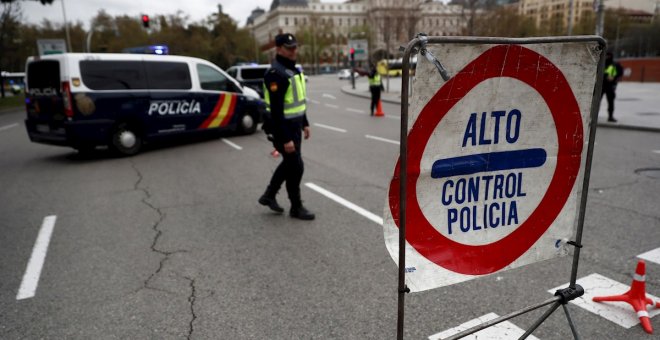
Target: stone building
{"points": [[324, 28], [544, 11]]}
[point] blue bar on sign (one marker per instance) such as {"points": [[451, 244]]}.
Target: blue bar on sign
{"points": [[491, 161]]}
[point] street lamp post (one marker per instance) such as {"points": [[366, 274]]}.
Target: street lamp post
{"points": [[66, 29], [570, 17], [600, 18]]}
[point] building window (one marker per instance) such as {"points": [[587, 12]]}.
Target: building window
{"points": [[295, 21], [304, 21], [286, 21]]}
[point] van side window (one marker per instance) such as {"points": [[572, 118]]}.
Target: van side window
{"points": [[168, 75], [213, 80], [113, 75]]}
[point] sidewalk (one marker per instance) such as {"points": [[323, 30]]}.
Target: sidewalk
{"points": [[637, 105]]}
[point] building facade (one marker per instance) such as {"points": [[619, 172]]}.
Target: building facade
{"points": [[548, 12], [324, 28]]}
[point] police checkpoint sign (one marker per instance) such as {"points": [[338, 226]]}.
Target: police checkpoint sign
{"points": [[496, 158]]}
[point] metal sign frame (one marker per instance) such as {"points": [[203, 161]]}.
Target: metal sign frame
{"points": [[562, 296]]}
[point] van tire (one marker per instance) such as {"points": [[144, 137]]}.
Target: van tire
{"points": [[248, 124], [125, 140]]}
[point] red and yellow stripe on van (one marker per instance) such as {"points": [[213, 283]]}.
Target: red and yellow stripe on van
{"points": [[222, 112]]}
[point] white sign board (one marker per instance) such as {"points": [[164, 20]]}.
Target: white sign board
{"points": [[361, 47], [496, 158], [51, 46]]}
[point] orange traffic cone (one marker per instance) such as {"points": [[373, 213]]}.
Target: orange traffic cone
{"points": [[379, 110], [636, 297]]}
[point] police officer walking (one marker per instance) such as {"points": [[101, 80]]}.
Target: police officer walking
{"points": [[285, 97], [613, 72]]}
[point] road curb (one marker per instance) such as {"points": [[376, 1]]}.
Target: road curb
{"points": [[10, 109], [352, 92]]}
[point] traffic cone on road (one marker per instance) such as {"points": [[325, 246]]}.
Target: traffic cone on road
{"points": [[379, 110], [636, 297]]}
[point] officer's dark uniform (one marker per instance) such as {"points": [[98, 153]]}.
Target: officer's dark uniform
{"points": [[613, 72], [375, 86], [288, 119]]}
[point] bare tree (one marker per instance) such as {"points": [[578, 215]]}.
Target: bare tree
{"points": [[10, 18]]}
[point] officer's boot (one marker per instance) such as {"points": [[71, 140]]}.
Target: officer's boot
{"points": [[611, 117], [268, 199], [300, 212]]}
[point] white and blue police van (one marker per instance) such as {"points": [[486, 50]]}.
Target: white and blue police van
{"points": [[85, 100]]}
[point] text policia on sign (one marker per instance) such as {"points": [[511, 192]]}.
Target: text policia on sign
{"points": [[493, 197]]}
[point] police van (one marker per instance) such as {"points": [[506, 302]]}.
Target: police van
{"points": [[84, 100], [250, 75]]}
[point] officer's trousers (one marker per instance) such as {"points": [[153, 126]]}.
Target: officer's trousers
{"points": [[610, 93], [375, 97], [290, 171]]}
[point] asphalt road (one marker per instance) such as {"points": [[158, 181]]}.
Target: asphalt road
{"points": [[172, 244]]}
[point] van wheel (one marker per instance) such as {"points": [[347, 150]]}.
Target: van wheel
{"points": [[248, 124], [126, 141]]}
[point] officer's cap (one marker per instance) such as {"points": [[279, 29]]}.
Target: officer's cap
{"points": [[286, 40]]}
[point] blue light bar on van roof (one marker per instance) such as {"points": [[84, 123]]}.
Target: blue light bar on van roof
{"points": [[149, 49]]}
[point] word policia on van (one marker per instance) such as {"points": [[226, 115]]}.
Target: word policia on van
{"points": [[174, 107]]}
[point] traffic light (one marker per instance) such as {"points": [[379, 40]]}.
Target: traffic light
{"points": [[352, 54], [145, 21]]}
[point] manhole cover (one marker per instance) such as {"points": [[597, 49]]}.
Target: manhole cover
{"points": [[648, 113], [649, 172]]}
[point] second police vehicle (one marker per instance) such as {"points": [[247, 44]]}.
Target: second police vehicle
{"points": [[83, 100]]}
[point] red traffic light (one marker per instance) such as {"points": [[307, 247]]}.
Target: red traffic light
{"points": [[145, 20]]}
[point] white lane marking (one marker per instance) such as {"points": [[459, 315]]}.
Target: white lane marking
{"points": [[393, 117], [620, 313], [383, 139], [356, 110], [503, 330], [329, 127], [7, 127], [325, 95], [331, 106], [314, 101], [651, 255], [33, 270], [364, 212], [656, 151], [232, 144]]}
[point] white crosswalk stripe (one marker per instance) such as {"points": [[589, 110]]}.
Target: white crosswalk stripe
{"points": [[501, 331]]}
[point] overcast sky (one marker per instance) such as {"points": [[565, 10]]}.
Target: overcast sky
{"points": [[83, 10]]}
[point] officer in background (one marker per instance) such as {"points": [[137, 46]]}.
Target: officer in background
{"points": [[285, 97], [375, 84], [613, 72]]}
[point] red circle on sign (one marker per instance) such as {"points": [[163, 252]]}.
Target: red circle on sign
{"points": [[535, 70]]}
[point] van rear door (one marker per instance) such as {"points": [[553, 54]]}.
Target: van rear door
{"points": [[45, 99]]}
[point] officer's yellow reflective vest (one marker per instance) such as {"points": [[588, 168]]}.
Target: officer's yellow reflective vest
{"points": [[611, 71], [375, 80], [295, 102]]}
